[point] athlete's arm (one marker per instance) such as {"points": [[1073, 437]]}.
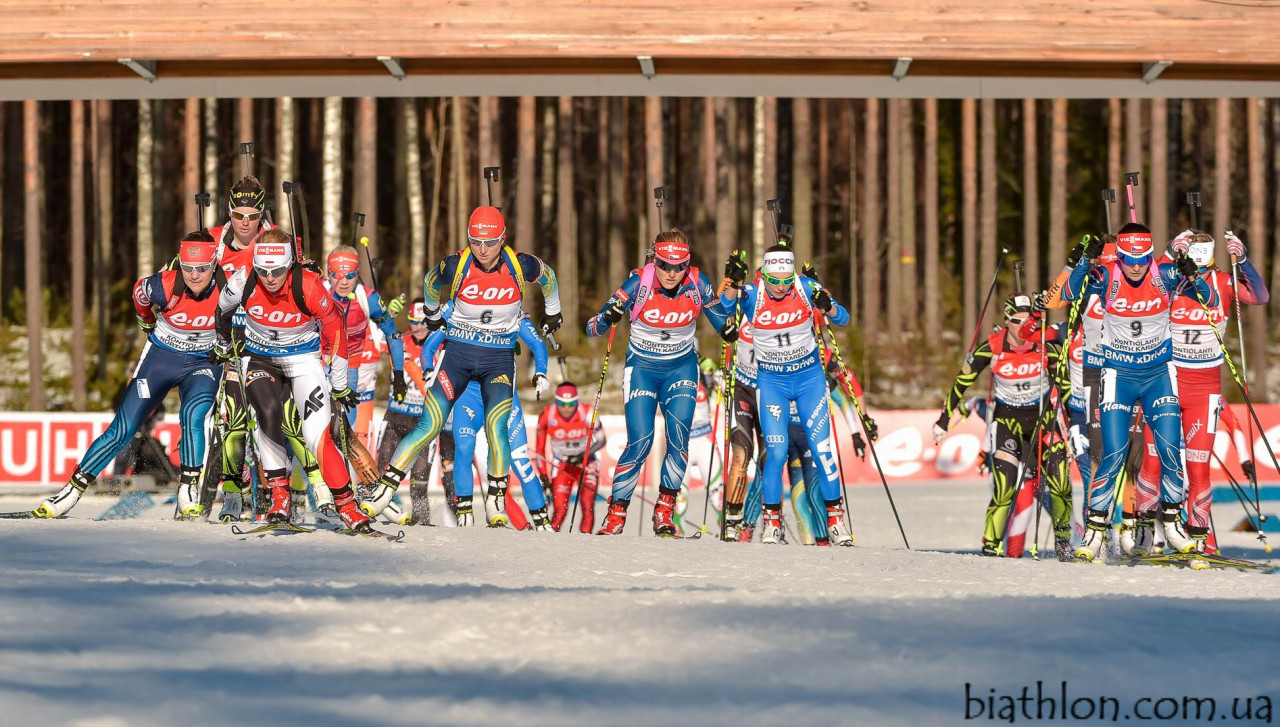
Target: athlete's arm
{"points": [[1053, 299], [536, 345], [1253, 289], [385, 323], [333, 334], [712, 306], [438, 276], [624, 297], [229, 299], [537, 271], [973, 365], [836, 313], [144, 294]]}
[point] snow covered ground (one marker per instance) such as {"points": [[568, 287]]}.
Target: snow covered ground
{"points": [[152, 622]]}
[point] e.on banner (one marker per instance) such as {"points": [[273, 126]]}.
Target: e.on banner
{"points": [[39, 451]]}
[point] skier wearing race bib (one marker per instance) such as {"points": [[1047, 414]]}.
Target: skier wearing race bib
{"points": [[177, 309], [781, 309], [403, 413], [485, 283], [664, 299], [745, 429], [563, 436], [1022, 387], [1197, 358], [1136, 296]]}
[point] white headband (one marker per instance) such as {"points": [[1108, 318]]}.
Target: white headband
{"points": [[779, 263]]}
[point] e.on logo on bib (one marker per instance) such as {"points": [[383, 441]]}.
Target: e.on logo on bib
{"points": [[1138, 306], [185, 321], [1193, 315], [274, 316], [1012, 370], [785, 318], [490, 294], [668, 318]]}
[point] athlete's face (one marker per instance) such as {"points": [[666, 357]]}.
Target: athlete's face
{"points": [[485, 254], [419, 330], [1136, 271], [1014, 324], [342, 285], [197, 277], [566, 410], [244, 223], [777, 291], [272, 284], [669, 279]]}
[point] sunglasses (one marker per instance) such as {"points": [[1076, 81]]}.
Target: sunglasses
{"points": [[567, 404], [196, 269], [251, 216], [417, 321], [774, 280], [271, 272], [348, 276], [1131, 261], [486, 243], [667, 267], [1017, 320]]}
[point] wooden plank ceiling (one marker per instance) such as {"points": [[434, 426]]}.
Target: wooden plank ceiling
{"points": [[1205, 39]]}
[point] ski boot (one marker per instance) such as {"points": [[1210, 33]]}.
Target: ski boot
{"points": [[61, 503], [352, 516], [990, 548], [732, 528], [281, 500], [383, 491], [748, 534], [663, 525], [232, 507], [615, 518], [771, 521], [396, 515], [462, 511], [1175, 535], [1128, 534], [1144, 536], [495, 503], [1090, 548], [188, 507], [1201, 538], [837, 532], [1062, 545], [540, 521]]}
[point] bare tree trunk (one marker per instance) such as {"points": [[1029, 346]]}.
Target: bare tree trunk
{"points": [[726, 181], [458, 169], [146, 189], [244, 125], [771, 155], [489, 154], [414, 192], [1256, 317], [2, 256], [103, 194], [1275, 175], [1221, 175], [969, 235], [1159, 207], [211, 176], [567, 222], [77, 253], [1115, 121], [1058, 182], [527, 169], [1031, 196], [822, 236], [757, 180], [655, 171], [910, 300], [331, 165], [893, 214], [989, 237], [932, 316], [618, 257], [710, 186], [190, 162], [1133, 150], [855, 270], [802, 177], [550, 135], [437, 178], [286, 152], [33, 222], [871, 264], [364, 177]]}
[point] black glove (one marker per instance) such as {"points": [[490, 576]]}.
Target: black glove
{"points": [[546, 487], [1187, 266], [1077, 251], [730, 331], [346, 397], [551, 324], [573, 460], [1249, 470], [873, 429], [221, 353], [433, 320], [944, 421], [735, 269], [1094, 247], [614, 312], [822, 300], [399, 386], [1037, 302], [809, 271], [860, 446]]}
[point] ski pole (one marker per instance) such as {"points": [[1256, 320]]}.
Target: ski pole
{"points": [[991, 289], [595, 415], [1243, 498], [1244, 366], [564, 371], [1044, 365], [715, 425], [871, 445]]}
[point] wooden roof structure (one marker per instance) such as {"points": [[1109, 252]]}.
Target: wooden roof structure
{"points": [[887, 48]]}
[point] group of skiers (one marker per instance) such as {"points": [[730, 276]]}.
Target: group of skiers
{"points": [[1144, 339]]}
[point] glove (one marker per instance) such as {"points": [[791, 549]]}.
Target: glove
{"points": [[614, 312], [1037, 302], [1186, 266], [822, 300], [395, 305], [221, 353], [860, 446], [1235, 247], [1094, 248], [1249, 470], [730, 331], [873, 429], [1077, 251], [809, 271], [433, 320], [573, 460], [551, 324], [1182, 242], [346, 397], [940, 427], [735, 269], [540, 385], [546, 487], [399, 386], [984, 463], [146, 326]]}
